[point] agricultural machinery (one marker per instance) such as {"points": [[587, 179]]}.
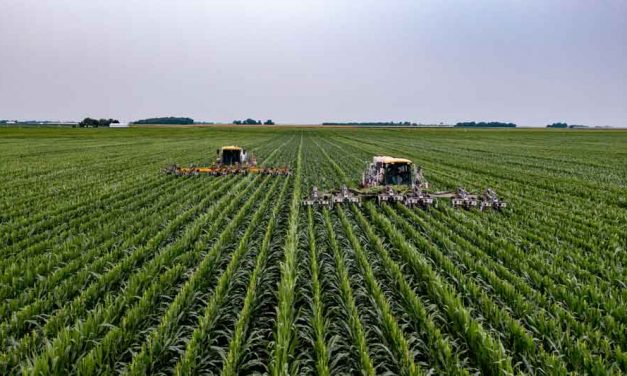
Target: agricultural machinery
{"points": [[231, 160], [399, 180]]}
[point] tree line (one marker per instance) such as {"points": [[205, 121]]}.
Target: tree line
{"points": [[166, 120], [484, 124], [371, 123], [250, 121], [565, 125], [95, 123], [557, 125]]}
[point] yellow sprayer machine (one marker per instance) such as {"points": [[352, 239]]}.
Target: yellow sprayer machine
{"points": [[389, 179], [231, 160]]}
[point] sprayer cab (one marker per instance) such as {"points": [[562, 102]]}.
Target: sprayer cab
{"points": [[234, 155], [384, 170]]}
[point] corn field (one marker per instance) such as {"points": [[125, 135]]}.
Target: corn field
{"points": [[109, 266]]}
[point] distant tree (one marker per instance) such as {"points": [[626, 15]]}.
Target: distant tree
{"points": [[557, 125], [88, 122], [371, 123], [269, 122], [166, 120], [93, 123], [248, 121], [484, 124]]}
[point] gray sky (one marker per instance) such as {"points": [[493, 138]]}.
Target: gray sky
{"points": [[529, 61]]}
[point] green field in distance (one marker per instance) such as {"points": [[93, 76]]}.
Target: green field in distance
{"points": [[110, 266]]}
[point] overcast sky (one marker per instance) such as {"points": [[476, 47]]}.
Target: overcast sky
{"points": [[531, 62]]}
